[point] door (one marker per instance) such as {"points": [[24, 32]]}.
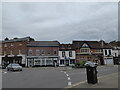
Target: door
{"points": [[67, 62]]}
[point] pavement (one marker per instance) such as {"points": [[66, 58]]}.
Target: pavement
{"points": [[106, 81]]}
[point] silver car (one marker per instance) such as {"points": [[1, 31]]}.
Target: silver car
{"points": [[14, 67]]}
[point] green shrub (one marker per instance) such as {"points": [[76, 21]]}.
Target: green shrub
{"points": [[82, 63]]}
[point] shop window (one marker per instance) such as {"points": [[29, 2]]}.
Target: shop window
{"points": [[61, 61]]}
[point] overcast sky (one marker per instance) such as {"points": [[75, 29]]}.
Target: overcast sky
{"points": [[61, 21]]}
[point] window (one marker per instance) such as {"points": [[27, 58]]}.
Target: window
{"points": [[61, 61], [30, 52], [70, 53], [43, 52], [37, 52], [20, 51], [72, 62], [63, 53], [109, 52], [69, 46], [85, 50], [48, 52], [20, 44], [5, 45], [4, 52], [97, 50], [55, 52], [11, 52], [105, 52], [11, 44]]}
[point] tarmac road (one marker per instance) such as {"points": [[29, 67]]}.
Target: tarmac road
{"points": [[49, 77]]}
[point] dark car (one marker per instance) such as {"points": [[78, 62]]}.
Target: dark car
{"points": [[14, 67]]}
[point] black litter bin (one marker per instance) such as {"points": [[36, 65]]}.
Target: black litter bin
{"points": [[91, 73]]}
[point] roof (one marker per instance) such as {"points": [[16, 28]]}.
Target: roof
{"points": [[66, 47], [115, 45], [43, 44], [91, 44], [18, 39]]}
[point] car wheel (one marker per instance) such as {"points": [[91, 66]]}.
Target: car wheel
{"points": [[12, 69], [21, 70], [7, 69]]}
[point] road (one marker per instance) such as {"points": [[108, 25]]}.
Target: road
{"points": [[49, 77]]}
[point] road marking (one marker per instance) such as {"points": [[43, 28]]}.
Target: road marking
{"points": [[5, 72], [64, 72], [76, 84], [68, 78], [69, 83], [67, 75]]}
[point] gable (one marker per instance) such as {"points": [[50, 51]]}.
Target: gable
{"points": [[85, 45]]}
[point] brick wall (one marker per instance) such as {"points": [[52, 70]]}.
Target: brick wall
{"points": [[46, 49], [15, 46]]}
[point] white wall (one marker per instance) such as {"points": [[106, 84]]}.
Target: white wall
{"points": [[67, 54], [107, 52], [115, 51]]}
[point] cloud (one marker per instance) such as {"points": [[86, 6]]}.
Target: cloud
{"points": [[61, 21]]}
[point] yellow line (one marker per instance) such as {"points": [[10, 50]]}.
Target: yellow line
{"points": [[76, 84]]}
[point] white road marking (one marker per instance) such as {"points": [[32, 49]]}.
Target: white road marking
{"points": [[65, 72], [4, 72], [68, 78], [67, 75], [69, 83]]}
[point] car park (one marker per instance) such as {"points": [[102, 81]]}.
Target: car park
{"points": [[14, 67]]}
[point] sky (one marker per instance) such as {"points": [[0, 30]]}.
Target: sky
{"points": [[62, 21]]}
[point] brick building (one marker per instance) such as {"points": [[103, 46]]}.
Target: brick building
{"points": [[88, 50], [42, 53], [15, 50]]}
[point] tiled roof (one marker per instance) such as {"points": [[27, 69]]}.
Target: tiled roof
{"points": [[66, 47], [91, 44], [43, 43], [115, 45]]}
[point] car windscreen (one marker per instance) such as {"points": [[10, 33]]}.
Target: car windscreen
{"points": [[15, 65]]}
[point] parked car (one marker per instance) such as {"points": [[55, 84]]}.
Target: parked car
{"points": [[14, 67]]}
